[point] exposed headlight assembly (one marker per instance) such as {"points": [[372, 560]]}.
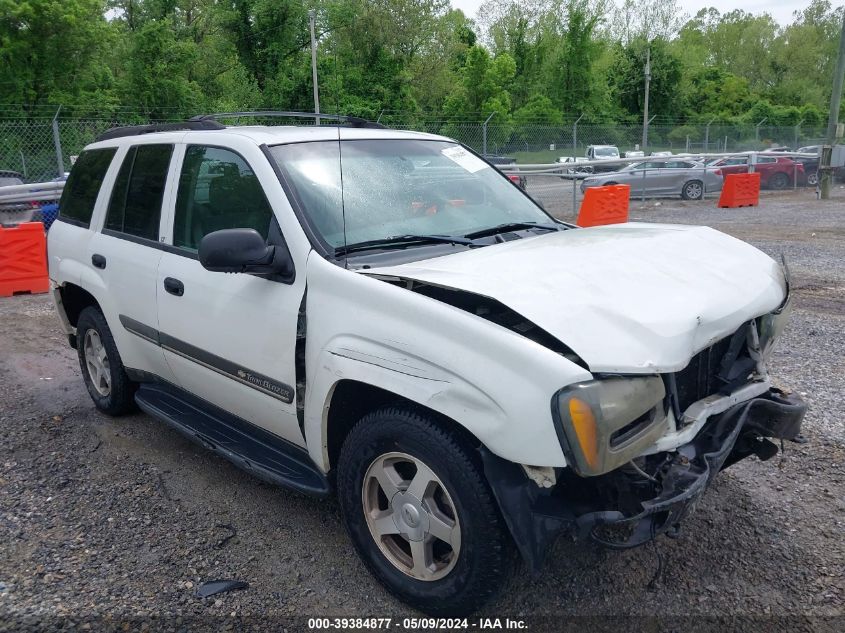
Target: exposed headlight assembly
{"points": [[771, 325], [604, 424]]}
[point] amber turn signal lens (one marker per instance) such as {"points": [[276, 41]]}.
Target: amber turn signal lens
{"points": [[584, 423]]}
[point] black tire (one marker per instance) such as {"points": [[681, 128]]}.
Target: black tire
{"points": [[485, 558], [813, 179], [120, 397], [779, 180], [692, 190]]}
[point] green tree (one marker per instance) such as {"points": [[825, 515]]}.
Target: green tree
{"points": [[51, 52], [628, 83]]}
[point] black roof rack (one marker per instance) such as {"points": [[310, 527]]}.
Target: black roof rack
{"points": [[209, 122], [354, 121], [136, 130]]}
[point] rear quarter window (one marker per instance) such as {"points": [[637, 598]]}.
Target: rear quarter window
{"points": [[83, 185]]}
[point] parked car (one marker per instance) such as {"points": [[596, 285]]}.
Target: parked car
{"points": [[408, 331], [662, 153], [510, 163], [776, 172], [605, 153], [811, 165], [635, 153], [685, 178]]}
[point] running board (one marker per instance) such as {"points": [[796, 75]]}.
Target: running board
{"points": [[249, 447]]}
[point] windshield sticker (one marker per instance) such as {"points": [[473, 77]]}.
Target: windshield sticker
{"points": [[468, 161]]}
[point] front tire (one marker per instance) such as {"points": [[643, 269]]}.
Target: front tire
{"points": [[103, 371], [779, 181], [693, 190], [813, 179], [420, 513]]}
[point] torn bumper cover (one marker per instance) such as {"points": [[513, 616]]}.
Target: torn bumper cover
{"points": [[633, 504]]}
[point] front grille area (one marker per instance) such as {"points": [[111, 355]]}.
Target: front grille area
{"points": [[718, 368]]}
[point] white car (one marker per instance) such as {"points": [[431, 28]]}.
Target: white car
{"points": [[381, 315]]}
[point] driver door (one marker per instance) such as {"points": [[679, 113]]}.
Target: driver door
{"points": [[230, 339]]}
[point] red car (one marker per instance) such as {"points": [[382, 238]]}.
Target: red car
{"points": [[776, 172]]}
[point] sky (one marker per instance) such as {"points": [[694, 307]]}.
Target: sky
{"points": [[780, 10]]}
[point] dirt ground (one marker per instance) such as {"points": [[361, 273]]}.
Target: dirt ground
{"points": [[115, 521]]}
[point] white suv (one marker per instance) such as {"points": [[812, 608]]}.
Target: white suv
{"points": [[383, 315]]}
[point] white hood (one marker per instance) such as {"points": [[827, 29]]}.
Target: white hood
{"points": [[633, 298]]}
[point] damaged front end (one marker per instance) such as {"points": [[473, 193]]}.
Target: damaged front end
{"points": [[631, 505], [641, 451]]}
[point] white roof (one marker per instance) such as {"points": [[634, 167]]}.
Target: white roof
{"points": [[271, 135]]}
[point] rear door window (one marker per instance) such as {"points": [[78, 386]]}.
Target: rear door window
{"points": [[83, 185], [217, 190], [135, 206]]}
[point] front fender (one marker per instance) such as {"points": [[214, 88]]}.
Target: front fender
{"points": [[390, 369], [490, 380]]}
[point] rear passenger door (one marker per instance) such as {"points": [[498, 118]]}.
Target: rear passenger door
{"points": [[230, 339], [126, 252]]}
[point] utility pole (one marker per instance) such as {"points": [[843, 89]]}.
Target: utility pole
{"points": [[833, 118], [311, 19], [645, 101]]}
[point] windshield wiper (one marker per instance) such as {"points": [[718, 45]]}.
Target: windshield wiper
{"points": [[402, 240], [514, 226]]}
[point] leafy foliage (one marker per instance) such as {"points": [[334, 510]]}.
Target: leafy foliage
{"points": [[523, 61]]}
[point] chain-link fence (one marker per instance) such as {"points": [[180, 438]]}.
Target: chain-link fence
{"points": [[546, 143], [41, 149]]}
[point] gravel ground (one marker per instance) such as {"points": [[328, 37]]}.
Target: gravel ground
{"points": [[115, 521]]}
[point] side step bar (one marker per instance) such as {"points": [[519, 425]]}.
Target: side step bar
{"points": [[247, 446]]}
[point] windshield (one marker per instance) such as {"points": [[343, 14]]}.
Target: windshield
{"points": [[607, 152], [356, 191]]}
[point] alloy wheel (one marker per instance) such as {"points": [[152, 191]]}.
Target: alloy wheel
{"points": [[693, 190], [97, 362], [411, 516]]}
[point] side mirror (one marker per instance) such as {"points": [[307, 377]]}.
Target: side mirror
{"points": [[243, 251]]}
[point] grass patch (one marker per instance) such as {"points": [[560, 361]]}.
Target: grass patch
{"points": [[542, 156]]}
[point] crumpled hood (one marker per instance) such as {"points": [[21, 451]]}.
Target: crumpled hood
{"points": [[633, 298]]}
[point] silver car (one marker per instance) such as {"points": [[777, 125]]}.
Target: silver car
{"points": [[686, 178]]}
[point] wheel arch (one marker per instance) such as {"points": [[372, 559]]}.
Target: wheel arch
{"points": [[352, 399], [74, 299]]}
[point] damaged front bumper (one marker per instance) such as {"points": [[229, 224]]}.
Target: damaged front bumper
{"points": [[633, 504]]}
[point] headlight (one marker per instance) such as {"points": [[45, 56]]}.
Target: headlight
{"points": [[771, 325], [606, 423]]}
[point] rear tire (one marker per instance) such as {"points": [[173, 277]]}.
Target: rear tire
{"points": [[813, 179], [692, 190], [779, 181], [420, 514], [103, 371]]}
